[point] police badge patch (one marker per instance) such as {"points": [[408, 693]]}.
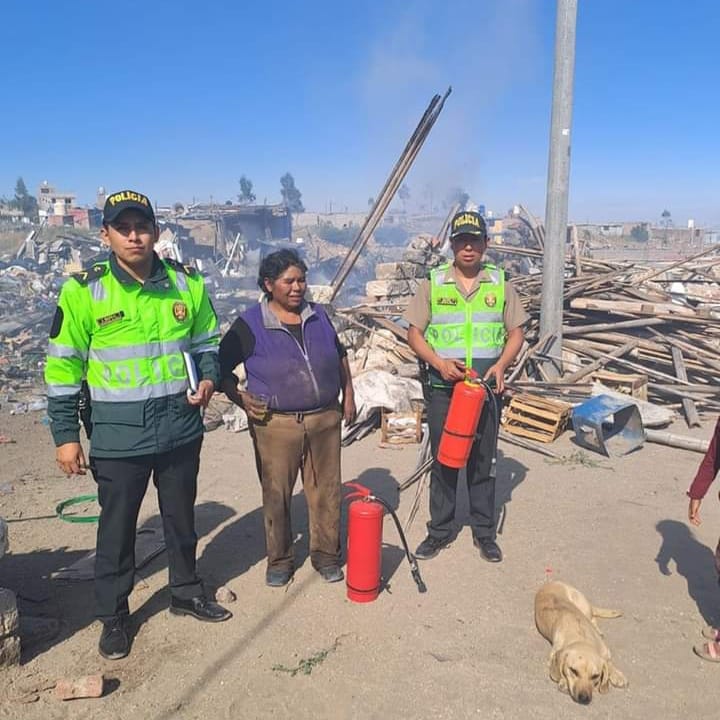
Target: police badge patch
{"points": [[491, 300], [180, 311]]}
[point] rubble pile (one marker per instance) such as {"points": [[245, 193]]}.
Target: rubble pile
{"points": [[400, 279], [637, 320], [30, 280], [648, 332], [652, 332], [27, 304]]}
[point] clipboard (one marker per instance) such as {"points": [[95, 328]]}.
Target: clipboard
{"points": [[191, 372]]}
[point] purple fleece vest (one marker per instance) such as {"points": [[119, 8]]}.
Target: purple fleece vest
{"points": [[295, 381]]}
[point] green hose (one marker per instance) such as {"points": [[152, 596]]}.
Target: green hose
{"points": [[80, 499]]}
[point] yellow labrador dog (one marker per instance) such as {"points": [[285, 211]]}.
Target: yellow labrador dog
{"points": [[580, 660]]}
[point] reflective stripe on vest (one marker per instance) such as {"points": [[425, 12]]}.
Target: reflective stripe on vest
{"points": [[466, 330], [144, 392], [65, 351], [97, 290], [60, 390]]}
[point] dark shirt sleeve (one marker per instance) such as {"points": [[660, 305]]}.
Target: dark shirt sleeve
{"points": [[236, 347], [708, 467]]}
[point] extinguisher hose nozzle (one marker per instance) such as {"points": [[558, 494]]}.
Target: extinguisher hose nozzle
{"points": [[414, 569], [415, 572]]}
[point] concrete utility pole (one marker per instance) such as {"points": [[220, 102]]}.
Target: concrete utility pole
{"points": [[556, 205]]}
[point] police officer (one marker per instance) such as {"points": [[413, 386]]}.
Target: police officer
{"points": [[121, 329], [465, 316]]}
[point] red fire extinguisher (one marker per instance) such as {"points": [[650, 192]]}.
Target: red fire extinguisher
{"points": [[364, 545], [466, 406]]}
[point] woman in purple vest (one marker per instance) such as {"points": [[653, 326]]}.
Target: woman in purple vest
{"points": [[296, 372]]}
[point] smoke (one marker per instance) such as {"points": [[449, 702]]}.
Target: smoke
{"points": [[489, 53]]}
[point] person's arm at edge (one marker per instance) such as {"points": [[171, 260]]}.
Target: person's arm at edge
{"points": [[706, 473], [63, 409], [348, 393]]}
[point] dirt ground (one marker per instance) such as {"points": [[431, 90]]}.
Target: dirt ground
{"points": [[467, 648]]}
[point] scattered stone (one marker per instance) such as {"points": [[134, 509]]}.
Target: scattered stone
{"points": [[384, 288], [225, 595], [89, 686], [398, 271]]}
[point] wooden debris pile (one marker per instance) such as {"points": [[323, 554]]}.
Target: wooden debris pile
{"points": [[651, 332], [639, 322]]}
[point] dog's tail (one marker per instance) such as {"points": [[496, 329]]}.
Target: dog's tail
{"points": [[605, 612]]}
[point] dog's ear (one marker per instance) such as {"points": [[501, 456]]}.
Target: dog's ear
{"points": [[604, 684], [556, 666]]}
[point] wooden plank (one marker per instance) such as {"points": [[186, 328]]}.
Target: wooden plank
{"points": [[576, 248], [520, 417], [644, 278], [544, 409], [532, 398], [691, 414], [631, 306], [529, 423], [603, 327], [635, 366], [600, 362], [706, 357], [517, 430]]}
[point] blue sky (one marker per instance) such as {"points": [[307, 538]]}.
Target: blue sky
{"points": [[178, 99]]}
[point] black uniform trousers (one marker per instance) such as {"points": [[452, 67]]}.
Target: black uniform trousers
{"points": [[443, 480], [122, 483]]}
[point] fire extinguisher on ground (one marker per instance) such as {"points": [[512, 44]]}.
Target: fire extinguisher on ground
{"points": [[364, 545]]}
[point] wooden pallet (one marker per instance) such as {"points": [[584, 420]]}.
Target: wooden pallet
{"points": [[536, 417], [400, 428], [630, 384]]}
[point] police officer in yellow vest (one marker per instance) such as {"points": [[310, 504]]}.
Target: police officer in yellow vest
{"points": [[121, 330], [466, 315]]}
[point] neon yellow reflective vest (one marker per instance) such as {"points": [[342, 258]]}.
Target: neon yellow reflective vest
{"points": [[472, 331], [127, 340]]}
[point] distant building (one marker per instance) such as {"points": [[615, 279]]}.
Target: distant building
{"points": [[86, 218], [54, 202], [257, 224], [10, 214]]}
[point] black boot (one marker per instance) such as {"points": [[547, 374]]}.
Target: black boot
{"points": [[114, 640], [489, 549], [200, 608]]}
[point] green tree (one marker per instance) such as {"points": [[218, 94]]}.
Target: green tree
{"points": [[639, 233], [246, 195], [24, 201], [290, 194]]}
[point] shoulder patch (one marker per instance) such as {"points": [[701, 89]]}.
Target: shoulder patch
{"points": [[93, 273], [179, 267]]}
